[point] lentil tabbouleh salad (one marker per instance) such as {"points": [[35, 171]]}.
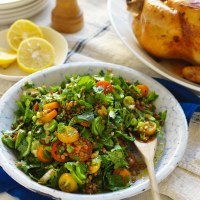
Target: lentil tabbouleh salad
{"points": [[78, 136]]}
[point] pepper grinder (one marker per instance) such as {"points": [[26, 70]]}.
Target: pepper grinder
{"points": [[67, 16]]}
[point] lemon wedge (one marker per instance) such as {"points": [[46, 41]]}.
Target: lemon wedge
{"points": [[20, 30], [35, 54], [7, 57]]}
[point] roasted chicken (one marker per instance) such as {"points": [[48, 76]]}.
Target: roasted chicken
{"points": [[192, 73], [168, 29]]}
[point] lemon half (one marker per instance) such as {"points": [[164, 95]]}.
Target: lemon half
{"points": [[20, 30], [35, 54], [7, 57]]}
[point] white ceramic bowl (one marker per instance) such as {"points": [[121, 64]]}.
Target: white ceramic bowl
{"points": [[175, 127]]}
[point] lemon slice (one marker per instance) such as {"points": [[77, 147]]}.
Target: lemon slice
{"points": [[35, 54], [20, 30], [7, 57]]}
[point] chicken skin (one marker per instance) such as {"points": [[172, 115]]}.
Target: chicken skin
{"points": [[168, 29]]}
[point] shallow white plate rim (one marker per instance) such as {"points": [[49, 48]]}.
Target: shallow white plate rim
{"points": [[13, 4], [136, 49], [8, 1], [19, 10]]}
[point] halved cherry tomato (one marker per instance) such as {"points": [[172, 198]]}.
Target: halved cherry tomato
{"points": [[69, 135], [36, 106], [82, 150], [55, 153], [51, 106], [124, 173], [41, 155], [149, 128], [144, 89], [67, 183], [49, 116], [94, 166], [107, 87]]}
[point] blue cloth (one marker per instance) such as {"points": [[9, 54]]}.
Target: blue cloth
{"points": [[188, 100]]}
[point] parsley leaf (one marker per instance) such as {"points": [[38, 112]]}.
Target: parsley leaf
{"points": [[117, 156]]}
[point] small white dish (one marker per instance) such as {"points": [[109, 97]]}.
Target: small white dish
{"points": [[8, 1], [14, 73], [121, 20], [175, 128], [16, 11], [24, 14]]}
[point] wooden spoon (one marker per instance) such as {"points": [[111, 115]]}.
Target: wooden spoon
{"points": [[147, 150]]}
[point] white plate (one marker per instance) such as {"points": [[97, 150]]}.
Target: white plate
{"points": [[8, 1], [16, 11], [121, 20], [8, 4], [14, 73], [25, 14], [175, 128]]}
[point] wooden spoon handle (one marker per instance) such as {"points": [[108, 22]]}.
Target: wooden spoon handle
{"points": [[152, 177]]}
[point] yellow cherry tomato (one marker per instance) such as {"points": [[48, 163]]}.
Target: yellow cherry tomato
{"points": [[149, 128], [67, 183], [69, 135], [94, 165]]}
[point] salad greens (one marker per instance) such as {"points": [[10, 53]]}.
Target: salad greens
{"points": [[78, 136]]}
